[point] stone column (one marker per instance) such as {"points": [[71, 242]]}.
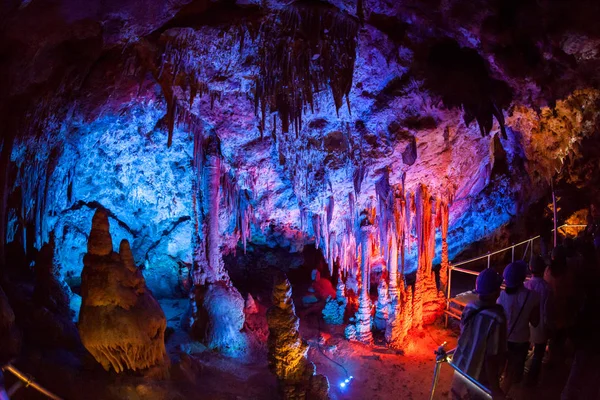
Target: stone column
{"points": [[363, 315], [212, 175]]}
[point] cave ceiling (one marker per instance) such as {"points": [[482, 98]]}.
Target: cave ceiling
{"points": [[312, 105]]}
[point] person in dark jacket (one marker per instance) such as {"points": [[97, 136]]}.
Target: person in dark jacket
{"points": [[481, 348]]}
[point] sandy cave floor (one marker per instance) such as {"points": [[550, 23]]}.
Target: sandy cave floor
{"points": [[379, 372]]}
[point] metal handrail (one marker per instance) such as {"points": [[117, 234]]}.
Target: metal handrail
{"points": [[453, 266], [488, 255], [443, 356], [29, 382]]}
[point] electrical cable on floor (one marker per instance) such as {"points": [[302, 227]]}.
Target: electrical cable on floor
{"points": [[348, 376]]}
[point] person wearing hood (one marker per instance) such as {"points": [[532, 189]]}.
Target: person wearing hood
{"points": [[522, 308], [481, 348]]}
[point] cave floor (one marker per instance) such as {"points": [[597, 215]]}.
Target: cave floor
{"points": [[378, 372], [197, 373]]}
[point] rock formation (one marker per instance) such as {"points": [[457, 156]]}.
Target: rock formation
{"points": [[250, 306], [217, 306], [120, 322], [382, 306], [335, 307], [287, 351], [224, 307], [363, 315], [201, 123], [10, 336], [444, 264], [428, 302], [49, 291]]}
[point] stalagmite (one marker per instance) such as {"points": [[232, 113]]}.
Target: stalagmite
{"points": [[382, 306], [287, 351], [120, 322], [392, 326], [217, 307], [335, 308], [250, 306], [363, 315], [215, 271]]}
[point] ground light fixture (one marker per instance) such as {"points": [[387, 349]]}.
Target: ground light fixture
{"points": [[346, 382]]}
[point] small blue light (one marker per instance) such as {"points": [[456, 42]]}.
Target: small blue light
{"points": [[343, 384], [347, 380], [351, 377]]}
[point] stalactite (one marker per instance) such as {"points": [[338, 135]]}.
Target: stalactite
{"points": [[238, 205], [445, 262], [292, 70], [385, 206], [400, 225], [329, 244], [212, 294], [423, 222], [427, 302], [212, 175], [7, 146]]}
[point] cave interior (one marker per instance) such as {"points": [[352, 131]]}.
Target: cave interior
{"points": [[262, 199]]}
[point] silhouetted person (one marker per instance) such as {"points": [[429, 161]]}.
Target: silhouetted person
{"points": [[560, 280], [481, 346], [584, 377], [522, 308], [592, 229], [539, 334]]}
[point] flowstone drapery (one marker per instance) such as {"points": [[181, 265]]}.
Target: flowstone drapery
{"points": [[120, 322]]}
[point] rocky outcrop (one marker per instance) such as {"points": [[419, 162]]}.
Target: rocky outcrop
{"points": [[224, 307], [335, 307], [120, 322], [287, 351], [250, 307], [382, 306], [10, 336]]}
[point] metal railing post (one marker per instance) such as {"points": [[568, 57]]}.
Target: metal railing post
{"points": [[448, 293], [436, 378], [513, 253], [489, 257], [446, 357], [531, 251]]}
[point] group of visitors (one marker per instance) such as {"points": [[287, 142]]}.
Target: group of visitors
{"points": [[557, 308]]}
